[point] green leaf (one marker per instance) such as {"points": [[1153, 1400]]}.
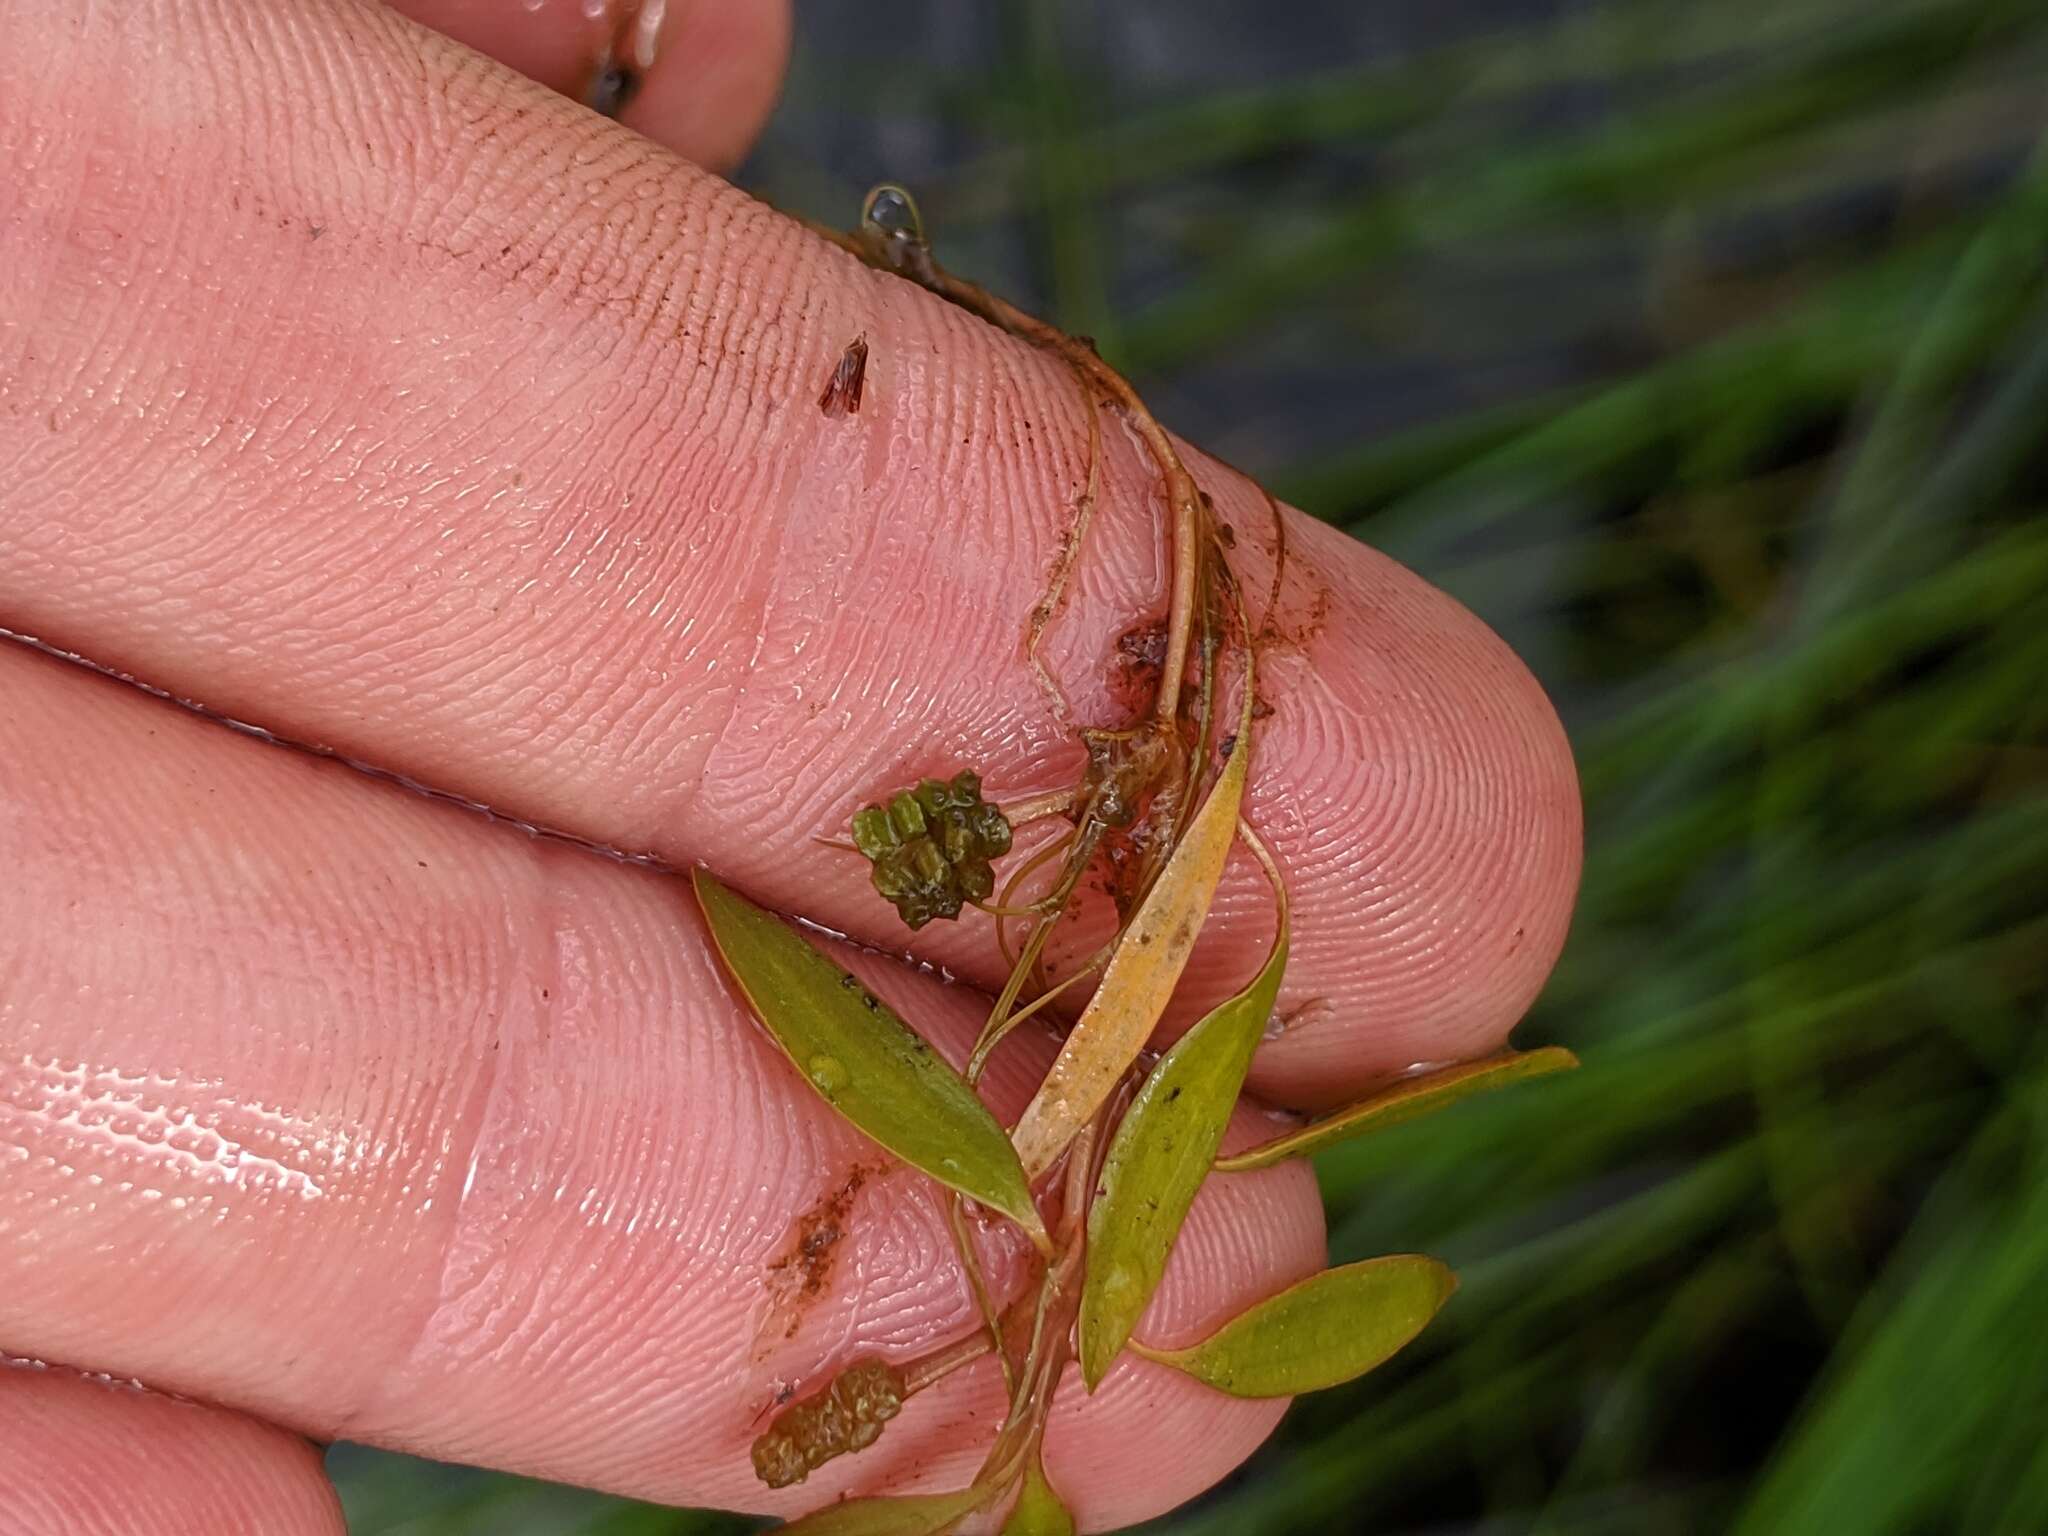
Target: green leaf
{"points": [[1409, 1099], [863, 1060], [1329, 1329], [1038, 1510], [912, 1515], [1160, 1155]]}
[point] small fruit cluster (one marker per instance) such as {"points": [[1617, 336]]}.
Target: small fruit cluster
{"points": [[931, 847], [847, 1416]]}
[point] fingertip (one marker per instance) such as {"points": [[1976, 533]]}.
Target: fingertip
{"points": [[709, 88], [700, 76], [1421, 794]]}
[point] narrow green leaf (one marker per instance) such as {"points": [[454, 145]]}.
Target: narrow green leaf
{"points": [[912, 1515], [1409, 1099], [1038, 1510], [1160, 1155], [863, 1060], [1329, 1329]]}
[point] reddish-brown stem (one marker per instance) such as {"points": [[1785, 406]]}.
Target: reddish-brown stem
{"points": [[1045, 907], [963, 1244], [911, 259]]}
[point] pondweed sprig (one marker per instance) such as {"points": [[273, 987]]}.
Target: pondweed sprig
{"points": [[1115, 1149]]}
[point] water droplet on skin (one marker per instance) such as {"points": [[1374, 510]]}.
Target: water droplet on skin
{"points": [[1423, 1068], [828, 1073]]}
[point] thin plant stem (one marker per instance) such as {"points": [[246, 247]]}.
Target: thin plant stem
{"points": [[1032, 808], [1050, 851], [987, 1047], [963, 1243]]}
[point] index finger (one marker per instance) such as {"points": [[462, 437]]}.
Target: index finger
{"points": [[476, 438]]}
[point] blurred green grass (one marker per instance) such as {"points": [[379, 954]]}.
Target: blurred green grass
{"points": [[1704, 351]]}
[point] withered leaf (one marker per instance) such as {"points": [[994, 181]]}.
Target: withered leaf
{"points": [[1141, 975]]}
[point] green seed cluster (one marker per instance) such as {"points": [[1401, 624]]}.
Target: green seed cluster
{"points": [[931, 847], [846, 1416]]}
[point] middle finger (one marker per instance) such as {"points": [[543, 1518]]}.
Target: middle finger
{"points": [[354, 1111]]}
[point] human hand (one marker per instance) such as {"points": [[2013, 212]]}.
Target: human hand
{"points": [[361, 390]]}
